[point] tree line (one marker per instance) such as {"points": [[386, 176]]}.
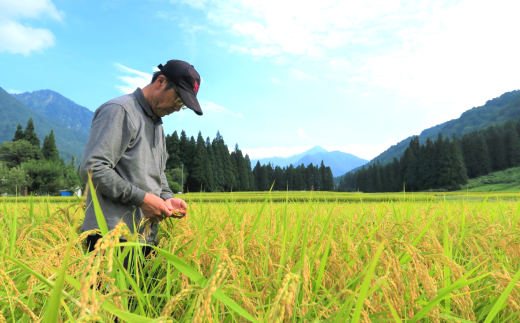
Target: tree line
{"points": [[24, 164], [443, 164], [208, 165]]}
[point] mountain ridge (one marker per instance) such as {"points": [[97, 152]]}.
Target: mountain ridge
{"points": [[339, 162], [495, 111], [58, 108], [68, 141]]}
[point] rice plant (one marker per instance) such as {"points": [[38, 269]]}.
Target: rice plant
{"points": [[428, 259]]}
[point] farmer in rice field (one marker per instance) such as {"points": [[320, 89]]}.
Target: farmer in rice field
{"points": [[126, 153]]}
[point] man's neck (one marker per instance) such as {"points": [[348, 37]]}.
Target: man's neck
{"points": [[147, 92]]}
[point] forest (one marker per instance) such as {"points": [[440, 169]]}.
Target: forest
{"points": [[202, 165], [441, 165], [25, 167]]}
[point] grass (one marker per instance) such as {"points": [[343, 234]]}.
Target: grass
{"points": [[426, 259], [503, 181]]}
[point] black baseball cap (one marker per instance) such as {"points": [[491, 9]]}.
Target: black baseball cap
{"points": [[186, 80]]}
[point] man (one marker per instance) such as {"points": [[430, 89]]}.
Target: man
{"points": [[126, 153]]}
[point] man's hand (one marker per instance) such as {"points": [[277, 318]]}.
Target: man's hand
{"points": [[155, 208], [177, 205]]}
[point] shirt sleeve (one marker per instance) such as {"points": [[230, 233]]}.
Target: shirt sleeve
{"points": [[110, 134], [166, 192]]}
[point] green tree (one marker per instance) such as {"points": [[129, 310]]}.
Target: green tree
{"points": [[328, 180], [230, 178], [72, 181], [47, 176], [49, 150], [198, 171], [511, 145], [249, 170], [409, 168], [497, 152], [241, 169], [460, 173], [30, 135], [17, 152], [18, 135], [174, 179], [173, 148], [210, 166], [16, 180], [218, 168]]}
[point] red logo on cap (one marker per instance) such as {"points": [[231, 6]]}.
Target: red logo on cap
{"points": [[196, 88]]}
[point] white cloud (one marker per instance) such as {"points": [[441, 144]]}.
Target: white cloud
{"points": [[444, 56], [133, 79], [301, 75], [213, 107], [275, 80], [18, 38], [14, 91], [258, 153], [310, 28], [365, 151], [301, 133], [464, 56]]}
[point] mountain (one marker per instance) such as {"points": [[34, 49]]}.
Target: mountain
{"points": [[496, 111], [68, 141], [338, 161], [58, 108], [286, 161]]}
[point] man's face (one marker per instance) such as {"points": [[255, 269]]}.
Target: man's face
{"points": [[163, 101]]}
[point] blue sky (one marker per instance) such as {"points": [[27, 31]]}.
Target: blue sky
{"points": [[278, 76]]}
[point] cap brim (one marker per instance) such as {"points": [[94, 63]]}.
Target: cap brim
{"points": [[190, 100]]}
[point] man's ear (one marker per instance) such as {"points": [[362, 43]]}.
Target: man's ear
{"points": [[160, 82]]}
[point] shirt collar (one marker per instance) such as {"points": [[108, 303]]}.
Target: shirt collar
{"points": [[138, 93]]}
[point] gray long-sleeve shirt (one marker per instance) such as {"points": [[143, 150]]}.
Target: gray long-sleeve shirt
{"points": [[126, 155]]}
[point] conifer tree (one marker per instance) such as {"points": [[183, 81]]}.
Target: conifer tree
{"points": [[218, 175], [459, 176], [18, 135], [249, 171], [496, 148], [511, 145], [484, 166], [210, 166], [49, 150], [221, 152], [30, 135], [289, 178], [361, 180], [198, 172], [269, 172], [256, 175], [328, 180], [174, 152], [444, 171], [409, 166]]}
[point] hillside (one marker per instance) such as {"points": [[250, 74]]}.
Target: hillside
{"points": [[58, 108], [506, 180], [69, 142], [339, 162], [495, 111]]}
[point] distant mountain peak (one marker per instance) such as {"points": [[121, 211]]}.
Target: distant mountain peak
{"points": [[58, 108], [315, 150], [338, 161]]}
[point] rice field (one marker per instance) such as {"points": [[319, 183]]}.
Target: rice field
{"points": [[271, 257]]}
